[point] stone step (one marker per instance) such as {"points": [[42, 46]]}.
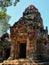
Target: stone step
{"points": [[1, 63], [22, 62]]}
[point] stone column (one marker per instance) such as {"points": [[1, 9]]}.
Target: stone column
{"points": [[27, 47], [12, 51]]}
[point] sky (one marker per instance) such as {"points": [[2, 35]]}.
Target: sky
{"points": [[17, 11]]}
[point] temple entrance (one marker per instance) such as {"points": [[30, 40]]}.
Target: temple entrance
{"points": [[22, 50], [7, 53]]}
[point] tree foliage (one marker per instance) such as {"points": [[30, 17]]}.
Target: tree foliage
{"points": [[2, 15], [7, 3], [4, 19]]}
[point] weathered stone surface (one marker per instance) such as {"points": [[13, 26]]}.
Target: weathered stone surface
{"points": [[22, 62], [30, 30], [23, 32], [29, 39], [5, 44]]}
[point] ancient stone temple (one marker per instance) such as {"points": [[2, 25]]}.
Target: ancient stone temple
{"points": [[29, 41], [28, 34], [4, 47]]}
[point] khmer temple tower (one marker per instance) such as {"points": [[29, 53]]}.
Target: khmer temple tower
{"points": [[28, 35]]}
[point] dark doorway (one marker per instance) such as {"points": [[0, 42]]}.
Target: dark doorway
{"points": [[22, 50], [7, 53]]}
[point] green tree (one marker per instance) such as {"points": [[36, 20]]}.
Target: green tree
{"points": [[4, 17], [6, 3]]}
